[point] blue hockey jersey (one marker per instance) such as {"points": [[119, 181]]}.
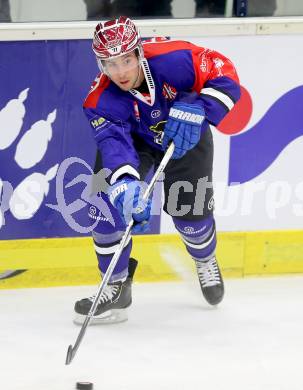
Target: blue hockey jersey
{"points": [[176, 70]]}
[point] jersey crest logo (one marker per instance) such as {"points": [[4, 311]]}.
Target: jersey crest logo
{"points": [[169, 92], [158, 129]]}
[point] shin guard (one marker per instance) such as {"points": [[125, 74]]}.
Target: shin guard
{"points": [[199, 237]]}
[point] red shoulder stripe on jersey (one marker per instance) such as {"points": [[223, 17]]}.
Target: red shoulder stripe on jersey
{"points": [[210, 65], [152, 49], [97, 88]]}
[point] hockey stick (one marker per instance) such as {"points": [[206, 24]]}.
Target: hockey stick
{"points": [[72, 350]]}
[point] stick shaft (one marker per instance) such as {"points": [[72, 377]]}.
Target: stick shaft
{"points": [[72, 350]]}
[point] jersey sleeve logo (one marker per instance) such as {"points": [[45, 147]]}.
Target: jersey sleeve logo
{"points": [[219, 65]]}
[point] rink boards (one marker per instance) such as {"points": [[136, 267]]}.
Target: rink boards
{"points": [[71, 261]]}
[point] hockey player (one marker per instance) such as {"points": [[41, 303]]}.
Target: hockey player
{"points": [[148, 94]]}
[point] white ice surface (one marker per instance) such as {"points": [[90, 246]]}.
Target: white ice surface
{"points": [[172, 340]]}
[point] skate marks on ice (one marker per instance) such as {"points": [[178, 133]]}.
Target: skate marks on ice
{"points": [[254, 342], [27, 154], [184, 266], [179, 261], [11, 119], [28, 196]]}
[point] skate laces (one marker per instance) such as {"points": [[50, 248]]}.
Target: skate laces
{"points": [[208, 272], [107, 294]]}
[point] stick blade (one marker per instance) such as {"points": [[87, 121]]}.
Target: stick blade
{"points": [[69, 355]]}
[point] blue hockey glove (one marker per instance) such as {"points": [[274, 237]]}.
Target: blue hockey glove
{"points": [[183, 127], [127, 196]]}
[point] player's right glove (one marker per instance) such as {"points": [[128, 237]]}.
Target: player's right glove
{"points": [[183, 127], [127, 196]]}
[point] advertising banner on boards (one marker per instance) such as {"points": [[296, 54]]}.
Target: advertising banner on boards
{"points": [[47, 152]]}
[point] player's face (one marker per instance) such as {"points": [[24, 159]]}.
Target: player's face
{"points": [[124, 71]]}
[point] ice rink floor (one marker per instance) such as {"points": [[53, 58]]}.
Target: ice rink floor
{"points": [[172, 340]]}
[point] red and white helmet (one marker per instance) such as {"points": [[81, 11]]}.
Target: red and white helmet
{"points": [[115, 38]]}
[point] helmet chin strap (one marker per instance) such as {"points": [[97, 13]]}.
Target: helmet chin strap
{"points": [[150, 83], [139, 73]]}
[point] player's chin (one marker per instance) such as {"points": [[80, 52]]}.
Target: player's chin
{"points": [[126, 86], [126, 89]]}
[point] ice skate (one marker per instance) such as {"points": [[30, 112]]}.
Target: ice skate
{"points": [[113, 302], [211, 281]]}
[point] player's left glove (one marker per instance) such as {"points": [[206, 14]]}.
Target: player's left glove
{"points": [[127, 196], [183, 127]]}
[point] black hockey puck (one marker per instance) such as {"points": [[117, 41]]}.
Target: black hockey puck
{"points": [[84, 385]]}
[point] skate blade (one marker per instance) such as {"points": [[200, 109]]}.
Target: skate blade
{"points": [[110, 317]]}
